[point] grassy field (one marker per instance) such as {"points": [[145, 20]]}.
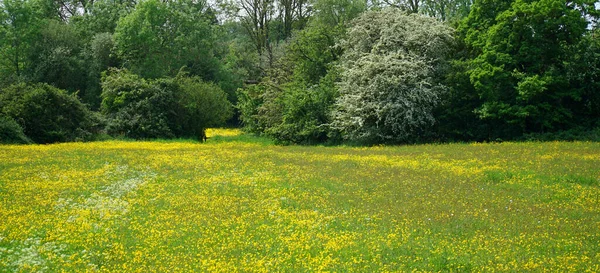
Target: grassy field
{"points": [[238, 203]]}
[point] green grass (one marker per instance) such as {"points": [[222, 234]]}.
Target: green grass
{"points": [[240, 203]]}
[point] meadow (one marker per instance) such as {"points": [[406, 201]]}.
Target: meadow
{"points": [[240, 203]]}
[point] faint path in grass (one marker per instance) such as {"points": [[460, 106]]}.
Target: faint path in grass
{"points": [[87, 213]]}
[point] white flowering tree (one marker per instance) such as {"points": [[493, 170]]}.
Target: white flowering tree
{"points": [[391, 76]]}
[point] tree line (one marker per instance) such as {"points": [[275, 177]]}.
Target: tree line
{"points": [[300, 71]]}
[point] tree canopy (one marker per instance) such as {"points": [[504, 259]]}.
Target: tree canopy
{"points": [[304, 71], [525, 64]]}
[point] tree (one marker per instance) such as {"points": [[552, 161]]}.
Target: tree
{"points": [[409, 6], [444, 10], [256, 21], [312, 51], [291, 12], [98, 56], [19, 28], [57, 59], [304, 111], [332, 13], [293, 103], [447, 10], [391, 82], [101, 16], [268, 22], [238, 59], [525, 54], [157, 39]]}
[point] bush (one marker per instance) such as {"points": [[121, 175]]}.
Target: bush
{"points": [[202, 105], [162, 108], [391, 82], [249, 100], [48, 114], [289, 113], [136, 108], [575, 134], [11, 132], [305, 113]]}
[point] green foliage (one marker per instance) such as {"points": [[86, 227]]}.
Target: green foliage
{"points": [[446, 10], [204, 105], [157, 39], [526, 64], [99, 57], [20, 23], [305, 113], [136, 108], [584, 75], [293, 104], [11, 132], [239, 61], [334, 13], [575, 134], [290, 113], [249, 99], [312, 51], [101, 17], [48, 114], [56, 59], [392, 81], [297, 103], [162, 108], [456, 120], [518, 68], [293, 111]]}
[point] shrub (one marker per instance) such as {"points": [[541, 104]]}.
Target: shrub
{"points": [[292, 104], [202, 105], [162, 108], [575, 134], [391, 82], [249, 100], [305, 113], [136, 108], [48, 114], [11, 132]]}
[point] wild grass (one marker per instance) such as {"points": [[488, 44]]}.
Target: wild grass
{"points": [[239, 203]]}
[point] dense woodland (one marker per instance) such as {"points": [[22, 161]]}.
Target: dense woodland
{"points": [[300, 71]]}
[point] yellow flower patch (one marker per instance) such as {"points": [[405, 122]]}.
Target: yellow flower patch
{"points": [[228, 206]]}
